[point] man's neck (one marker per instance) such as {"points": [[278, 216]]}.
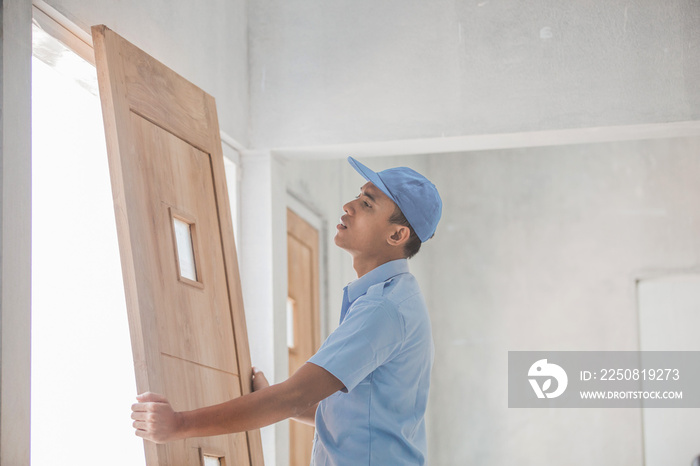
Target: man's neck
{"points": [[364, 265]]}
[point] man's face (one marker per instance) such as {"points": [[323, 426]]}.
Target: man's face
{"points": [[365, 228]]}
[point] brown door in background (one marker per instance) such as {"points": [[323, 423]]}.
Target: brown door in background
{"points": [[303, 333], [176, 243]]}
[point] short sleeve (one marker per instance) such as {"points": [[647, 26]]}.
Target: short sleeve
{"points": [[371, 334]]}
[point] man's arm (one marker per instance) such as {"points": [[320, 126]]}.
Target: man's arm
{"points": [[260, 382], [155, 420]]}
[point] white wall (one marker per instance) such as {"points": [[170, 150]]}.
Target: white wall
{"points": [[355, 71], [207, 45]]}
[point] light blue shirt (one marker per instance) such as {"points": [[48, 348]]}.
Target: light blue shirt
{"points": [[383, 353]]}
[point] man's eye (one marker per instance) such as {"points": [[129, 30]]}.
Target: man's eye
{"points": [[364, 202]]}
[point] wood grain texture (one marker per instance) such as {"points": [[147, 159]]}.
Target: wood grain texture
{"points": [[303, 290], [189, 342]]}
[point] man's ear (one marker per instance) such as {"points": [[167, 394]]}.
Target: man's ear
{"points": [[400, 235]]}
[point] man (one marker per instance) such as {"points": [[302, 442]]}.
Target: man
{"points": [[366, 388]]}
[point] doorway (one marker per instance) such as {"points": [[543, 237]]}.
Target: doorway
{"points": [[303, 321]]}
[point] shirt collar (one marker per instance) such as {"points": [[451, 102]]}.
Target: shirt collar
{"points": [[387, 270]]}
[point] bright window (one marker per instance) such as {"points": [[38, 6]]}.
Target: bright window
{"points": [[82, 368]]}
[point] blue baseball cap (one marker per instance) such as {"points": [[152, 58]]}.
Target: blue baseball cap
{"points": [[415, 195]]}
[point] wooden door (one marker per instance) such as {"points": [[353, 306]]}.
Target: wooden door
{"points": [[176, 243], [303, 316]]}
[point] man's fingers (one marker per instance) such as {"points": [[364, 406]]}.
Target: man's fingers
{"points": [[257, 373], [154, 418], [149, 406], [146, 435], [138, 416], [136, 407], [146, 407], [259, 380], [152, 397]]}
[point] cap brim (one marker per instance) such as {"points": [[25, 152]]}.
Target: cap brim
{"points": [[371, 176]]}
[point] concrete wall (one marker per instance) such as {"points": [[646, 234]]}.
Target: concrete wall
{"points": [[540, 249], [351, 71], [207, 45]]}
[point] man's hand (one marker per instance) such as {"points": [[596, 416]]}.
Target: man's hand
{"points": [[259, 380], [154, 418]]}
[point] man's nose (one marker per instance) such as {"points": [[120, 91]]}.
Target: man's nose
{"points": [[347, 208]]}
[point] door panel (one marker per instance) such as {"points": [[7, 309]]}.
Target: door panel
{"points": [[187, 328], [204, 386], [183, 185]]}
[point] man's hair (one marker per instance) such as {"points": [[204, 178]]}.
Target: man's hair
{"points": [[412, 246]]}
